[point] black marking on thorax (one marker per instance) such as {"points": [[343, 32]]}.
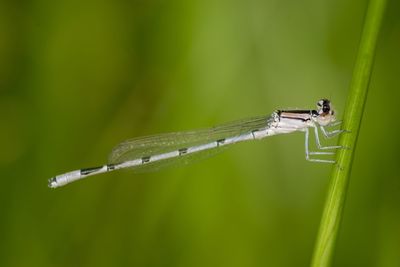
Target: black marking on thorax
{"points": [[297, 111], [285, 114]]}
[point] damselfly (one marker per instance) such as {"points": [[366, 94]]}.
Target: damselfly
{"points": [[154, 152]]}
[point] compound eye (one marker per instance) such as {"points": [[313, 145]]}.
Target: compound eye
{"points": [[326, 108]]}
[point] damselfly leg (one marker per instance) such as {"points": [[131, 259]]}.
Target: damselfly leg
{"points": [[308, 152], [333, 133], [318, 142]]}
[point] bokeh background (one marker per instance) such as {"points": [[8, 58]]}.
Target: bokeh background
{"points": [[78, 77]]}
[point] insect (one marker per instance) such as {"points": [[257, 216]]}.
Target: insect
{"points": [[157, 151]]}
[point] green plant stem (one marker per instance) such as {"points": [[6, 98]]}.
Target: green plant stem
{"points": [[333, 210]]}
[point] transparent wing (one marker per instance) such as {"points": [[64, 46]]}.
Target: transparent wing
{"points": [[163, 143]]}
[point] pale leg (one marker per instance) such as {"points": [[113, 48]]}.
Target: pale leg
{"points": [[308, 153], [319, 143]]}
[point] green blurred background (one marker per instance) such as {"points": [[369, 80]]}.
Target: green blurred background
{"points": [[78, 77]]}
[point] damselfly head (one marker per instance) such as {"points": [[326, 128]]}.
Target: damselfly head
{"points": [[326, 113], [324, 106]]}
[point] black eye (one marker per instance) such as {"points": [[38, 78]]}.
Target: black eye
{"points": [[326, 108]]}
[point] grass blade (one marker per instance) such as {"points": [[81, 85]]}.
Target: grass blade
{"points": [[332, 214]]}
